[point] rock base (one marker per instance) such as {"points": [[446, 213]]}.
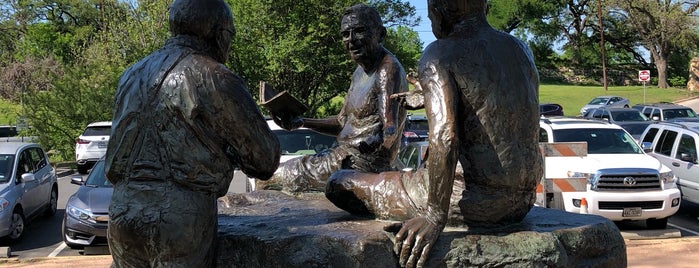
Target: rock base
{"points": [[272, 229]]}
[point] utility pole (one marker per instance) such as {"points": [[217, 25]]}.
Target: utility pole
{"points": [[601, 33]]}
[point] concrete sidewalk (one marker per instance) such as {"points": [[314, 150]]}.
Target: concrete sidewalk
{"points": [[672, 252]]}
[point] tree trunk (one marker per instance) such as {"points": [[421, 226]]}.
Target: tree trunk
{"points": [[661, 66]]}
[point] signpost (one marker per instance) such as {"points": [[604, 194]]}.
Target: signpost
{"points": [[644, 76]]}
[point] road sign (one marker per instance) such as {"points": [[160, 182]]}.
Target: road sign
{"points": [[644, 75]]}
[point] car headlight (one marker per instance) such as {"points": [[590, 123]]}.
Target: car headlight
{"points": [[80, 214], [668, 179], [4, 204]]}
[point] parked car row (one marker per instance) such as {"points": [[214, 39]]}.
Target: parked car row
{"points": [[613, 158]]}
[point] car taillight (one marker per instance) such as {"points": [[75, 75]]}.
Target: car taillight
{"points": [[409, 134], [81, 141]]}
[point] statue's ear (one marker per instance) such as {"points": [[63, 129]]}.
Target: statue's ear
{"points": [[382, 34]]}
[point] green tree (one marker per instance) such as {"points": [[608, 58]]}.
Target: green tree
{"points": [[663, 26], [67, 55], [296, 46], [406, 45]]}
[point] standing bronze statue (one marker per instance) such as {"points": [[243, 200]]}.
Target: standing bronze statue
{"points": [[370, 125], [182, 123], [480, 91]]}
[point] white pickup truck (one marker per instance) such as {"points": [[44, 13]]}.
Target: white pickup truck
{"points": [[613, 174]]}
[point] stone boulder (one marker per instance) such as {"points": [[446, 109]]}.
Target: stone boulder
{"points": [[273, 229], [693, 84]]}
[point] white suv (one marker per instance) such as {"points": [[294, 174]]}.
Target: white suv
{"points": [[92, 145], [675, 145], [622, 182]]}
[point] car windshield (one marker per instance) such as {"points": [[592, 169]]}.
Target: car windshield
{"points": [[635, 129], [7, 161], [97, 178], [675, 113], [598, 101], [98, 131], [417, 125], [303, 141], [628, 116], [600, 140]]}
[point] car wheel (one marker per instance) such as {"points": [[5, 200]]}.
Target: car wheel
{"points": [[656, 223], [52, 206], [82, 169], [69, 244], [16, 225]]}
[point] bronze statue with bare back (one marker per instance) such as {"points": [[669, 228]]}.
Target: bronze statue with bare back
{"points": [[370, 125], [182, 124], [480, 89]]}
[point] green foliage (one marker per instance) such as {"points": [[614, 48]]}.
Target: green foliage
{"points": [[405, 44], [678, 81], [296, 46], [61, 60]]}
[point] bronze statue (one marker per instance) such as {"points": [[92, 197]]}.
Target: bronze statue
{"points": [[370, 125], [182, 123], [480, 91]]}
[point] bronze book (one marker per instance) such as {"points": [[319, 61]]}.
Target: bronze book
{"points": [[280, 103]]}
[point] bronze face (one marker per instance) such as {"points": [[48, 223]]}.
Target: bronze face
{"points": [[362, 35]]}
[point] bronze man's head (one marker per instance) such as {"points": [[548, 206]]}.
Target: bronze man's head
{"points": [[362, 33], [444, 14], [209, 20]]}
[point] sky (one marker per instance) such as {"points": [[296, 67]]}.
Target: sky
{"points": [[424, 30]]}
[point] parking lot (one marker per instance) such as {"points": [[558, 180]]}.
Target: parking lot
{"points": [[43, 245]]}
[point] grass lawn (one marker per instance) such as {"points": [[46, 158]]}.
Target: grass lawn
{"points": [[572, 98]]}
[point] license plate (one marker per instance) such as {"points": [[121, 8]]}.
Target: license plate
{"points": [[102, 144], [631, 212]]}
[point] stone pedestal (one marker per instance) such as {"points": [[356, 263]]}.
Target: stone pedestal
{"points": [[272, 229]]}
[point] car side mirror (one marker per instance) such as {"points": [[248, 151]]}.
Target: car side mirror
{"points": [[77, 180], [655, 118], [647, 146], [687, 157], [28, 177]]}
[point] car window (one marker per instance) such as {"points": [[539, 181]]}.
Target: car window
{"points": [[665, 142], [628, 116], [417, 125], [98, 131], [303, 141], [600, 141], [37, 157], [8, 132], [543, 135], [24, 165], [655, 113], [97, 176], [686, 146], [406, 156], [675, 113], [650, 135], [635, 129], [597, 101], [6, 163]]}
